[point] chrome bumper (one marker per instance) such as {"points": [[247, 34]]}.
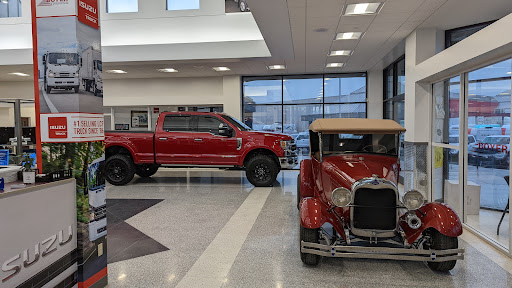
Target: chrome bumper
{"points": [[288, 162], [382, 252]]}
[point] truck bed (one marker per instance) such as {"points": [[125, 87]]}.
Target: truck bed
{"points": [[140, 144]]}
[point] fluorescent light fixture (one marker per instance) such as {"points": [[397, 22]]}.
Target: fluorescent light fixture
{"points": [[276, 67], [334, 65], [167, 70], [509, 72], [220, 69], [116, 71], [348, 35], [19, 74], [362, 9], [340, 53]]}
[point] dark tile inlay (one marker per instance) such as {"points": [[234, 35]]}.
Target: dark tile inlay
{"points": [[124, 241]]}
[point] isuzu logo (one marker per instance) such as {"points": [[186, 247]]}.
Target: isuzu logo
{"points": [[87, 7], [23, 260], [57, 127]]}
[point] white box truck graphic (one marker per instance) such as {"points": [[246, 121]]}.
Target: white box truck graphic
{"points": [[97, 199], [60, 71], [90, 71]]}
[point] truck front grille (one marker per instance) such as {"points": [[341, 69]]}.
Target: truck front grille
{"points": [[374, 209]]}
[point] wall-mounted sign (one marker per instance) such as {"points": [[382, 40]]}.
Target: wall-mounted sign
{"points": [[88, 12], [72, 127], [4, 157], [122, 127], [139, 119], [156, 110]]}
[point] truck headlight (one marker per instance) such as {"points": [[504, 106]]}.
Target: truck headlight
{"points": [[77, 75], [285, 144], [413, 200], [51, 74], [341, 197]]}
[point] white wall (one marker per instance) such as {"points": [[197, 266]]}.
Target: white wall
{"points": [[17, 90], [175, 92], [375, 94]]}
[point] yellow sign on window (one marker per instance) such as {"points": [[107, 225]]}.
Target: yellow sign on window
{"points": [[439, 157]]}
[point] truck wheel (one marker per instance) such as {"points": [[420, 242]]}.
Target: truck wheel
{"points": [[439, 241], [96, 91], [77, 88], [119, 169], [48, 89], [146, 170], [261, 171], [298, 192], [309, 235]]}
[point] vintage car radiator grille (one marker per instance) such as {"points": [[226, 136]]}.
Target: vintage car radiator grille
{"points": [[374, 209]]}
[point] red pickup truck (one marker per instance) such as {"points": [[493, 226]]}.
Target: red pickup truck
{"points": [[195, 139]]}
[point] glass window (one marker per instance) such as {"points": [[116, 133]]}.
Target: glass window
{"points": [[388, 81], [122, 6], [446, 110], [297, 118], [209, 125], [178, 124], [343, 89], [182, 4], [263, 91], [456, 35], [351, 143], [400, 74], [10, 8], [264, 117], [345, 110], [302, 89]]}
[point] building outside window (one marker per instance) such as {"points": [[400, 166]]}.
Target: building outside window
{"points": [[183, 4], [122, 6], [394, 91], [456, 35], [10, 8], [289, 104]]}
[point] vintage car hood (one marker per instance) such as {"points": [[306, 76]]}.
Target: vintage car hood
{"points": [[344, 170]]}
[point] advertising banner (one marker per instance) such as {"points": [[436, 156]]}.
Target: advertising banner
{"points": [[69, 108]]}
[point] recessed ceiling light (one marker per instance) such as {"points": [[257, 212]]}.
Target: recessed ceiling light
{"points": [[19, 74], [116, 71], [334, 65], [509, 72], [167, 70], [362, 9], [276, 67], [348, 35], [221, 69], [340, 53]]}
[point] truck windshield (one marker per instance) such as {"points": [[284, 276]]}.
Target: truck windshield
{"points": [[237, 123], [63, 58], [496, 140], [365, 143]]}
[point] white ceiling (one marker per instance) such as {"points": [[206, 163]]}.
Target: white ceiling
{"points": [[300, 33]]}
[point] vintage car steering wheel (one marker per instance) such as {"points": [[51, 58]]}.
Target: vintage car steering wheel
{"points": [[381, 149]]}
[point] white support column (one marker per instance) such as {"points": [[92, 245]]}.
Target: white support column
{"points": [[232, 96], [375, 94]]}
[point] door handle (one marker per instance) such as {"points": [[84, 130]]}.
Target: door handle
{"points": [[198, 140], [162, 138]]}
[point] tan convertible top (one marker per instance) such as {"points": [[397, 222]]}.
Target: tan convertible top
{"points": [[356, 126]]}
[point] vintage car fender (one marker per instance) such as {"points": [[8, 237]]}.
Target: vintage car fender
{"points": [[306, 179], [313, 214], [435, 215]]}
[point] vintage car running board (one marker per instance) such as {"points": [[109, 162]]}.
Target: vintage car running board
{"points": [[382, 252]]}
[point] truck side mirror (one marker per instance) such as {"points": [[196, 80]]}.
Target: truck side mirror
{"points": [[225, 130], [44, 59]]}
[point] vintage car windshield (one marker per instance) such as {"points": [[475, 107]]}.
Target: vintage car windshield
{"points": [[335, 144]]}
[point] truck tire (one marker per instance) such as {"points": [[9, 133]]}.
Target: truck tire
{"points": [[119, 170], [261, 170], [48, 89], [146, 170], [77, 88], [96, 91], [441, 242], [309, 235]]}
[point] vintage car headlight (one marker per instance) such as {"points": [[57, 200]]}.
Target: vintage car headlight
{"points": [[341, 197], [413, 200]]}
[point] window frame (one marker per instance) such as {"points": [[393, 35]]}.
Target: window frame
{"points": [[448, 33], [192, 123], [395, 98]]}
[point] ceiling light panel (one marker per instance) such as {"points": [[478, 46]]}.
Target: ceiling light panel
{"points": [[167, 70], [362, 9], [276, 67], [334, 65], [19, 74], [348, 35], [116, 71], [340, 53], [220, 69]]}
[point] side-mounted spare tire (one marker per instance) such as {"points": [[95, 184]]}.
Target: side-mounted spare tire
{"points": [[146, 170], [261, 170], [119, 169]]}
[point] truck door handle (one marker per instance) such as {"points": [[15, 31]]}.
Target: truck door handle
{"points": [[198, 140], [162, 138]]}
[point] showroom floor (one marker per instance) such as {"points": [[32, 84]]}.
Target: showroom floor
{"points": [[211, 228]]}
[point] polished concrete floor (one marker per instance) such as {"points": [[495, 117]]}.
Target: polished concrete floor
{"points": [[211, 228]]}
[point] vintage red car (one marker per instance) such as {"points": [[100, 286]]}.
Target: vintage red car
{"points": [[350, 205]]}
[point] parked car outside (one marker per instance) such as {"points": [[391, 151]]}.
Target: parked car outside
{"points": [[493, 151], [482, 131], [454, 140], [302, 141], [350, 185]]}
